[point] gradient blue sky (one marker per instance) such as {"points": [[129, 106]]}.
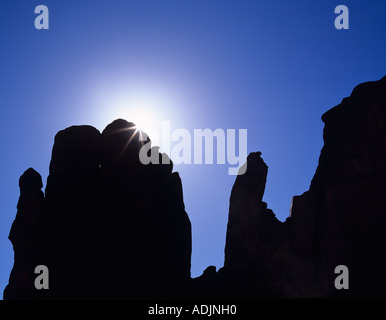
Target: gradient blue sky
{"points": [[271, 67]]}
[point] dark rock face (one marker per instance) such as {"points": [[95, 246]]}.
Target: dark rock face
{"points": [[148, 233], [26, 235], [349, 189], [72, 215], [111, 227], [108, 226], [341, 220], [254, 235]]}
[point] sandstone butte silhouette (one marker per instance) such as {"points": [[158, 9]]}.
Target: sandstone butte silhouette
{"points": [[110, 227]]}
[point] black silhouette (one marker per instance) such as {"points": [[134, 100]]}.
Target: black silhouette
{"points": [[110, 227]]}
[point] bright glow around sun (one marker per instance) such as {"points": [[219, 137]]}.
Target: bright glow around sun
{"points": [[144, 117], [147, 107], [140, 110]]}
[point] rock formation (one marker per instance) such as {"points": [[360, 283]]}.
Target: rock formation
{"points": [[25, 236], [110, 227], [340, 220], [255, 238]]}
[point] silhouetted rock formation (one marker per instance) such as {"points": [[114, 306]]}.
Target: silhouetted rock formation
{"points": [[255, 238], [341, 220], [111, 227], [25, 236], [108, 227], [349, 192]]}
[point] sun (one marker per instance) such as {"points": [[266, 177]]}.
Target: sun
{"points": [[143, 116], [148, 107], [143, 111]]}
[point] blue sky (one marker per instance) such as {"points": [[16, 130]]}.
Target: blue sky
{"points": [[272, 68]]}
